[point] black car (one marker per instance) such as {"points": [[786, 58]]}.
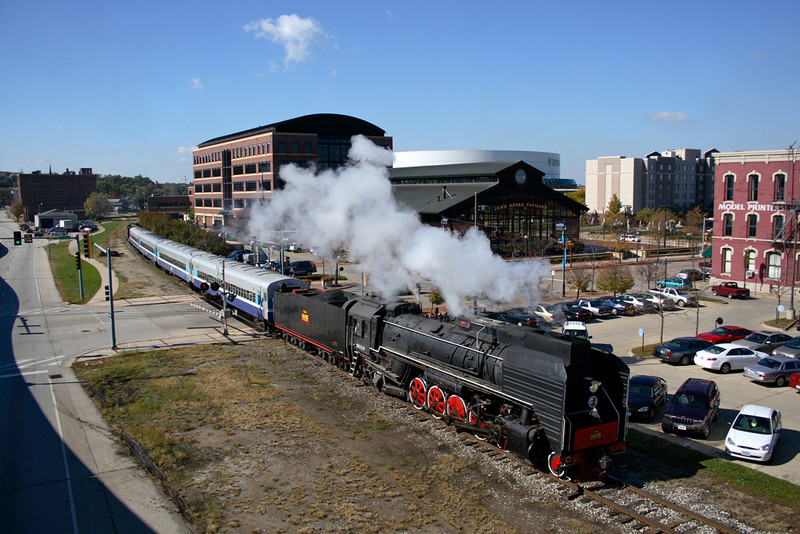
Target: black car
{"points": [[693, 408], [517, 316], [302, 268], [646, 394], [573, 312], [680, 350]]}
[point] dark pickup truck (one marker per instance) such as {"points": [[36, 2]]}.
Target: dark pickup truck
{"points": [[730, 290]]}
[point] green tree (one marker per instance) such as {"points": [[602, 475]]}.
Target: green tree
{"points": [[614, 205], [615, 278], [579, 280], [435, 297], [17, 210], [578, 195], [97, 205]]}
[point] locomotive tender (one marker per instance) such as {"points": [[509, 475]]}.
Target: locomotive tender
{"points": [[553, 399]]}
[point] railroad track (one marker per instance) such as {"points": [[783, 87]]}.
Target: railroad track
{"points": [[625, 504]]}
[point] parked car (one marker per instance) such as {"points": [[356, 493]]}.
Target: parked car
{"points": [[727, 357], [674, 281], [551, 314], [596, 307], [754, 433], [56, 232], [646, 394], [764, 340], [794, 381], [630, 238], [790, 349], [639, 301], [725, 334], [690, 274], [573, 312], [678, 296], [773, 370], [730, 290], [705, 268], [619, 306], [517, 316], [693, 408], [680, 350], [660, 302], [576, 329], [302, 268]]}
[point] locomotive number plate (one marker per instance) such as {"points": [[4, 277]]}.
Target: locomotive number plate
{"points": [[304, 316], [597, 434]]}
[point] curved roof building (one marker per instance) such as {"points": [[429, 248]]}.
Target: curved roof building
{"points": [[547, 162]]}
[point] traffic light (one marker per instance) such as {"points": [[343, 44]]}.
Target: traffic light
{"points": [[78, 260], [87, 246], [108, 293], [17, 238]]}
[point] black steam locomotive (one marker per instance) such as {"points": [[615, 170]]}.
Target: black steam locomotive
{"points": [[549, 398]]}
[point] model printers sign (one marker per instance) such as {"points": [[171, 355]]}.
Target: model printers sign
{"points": [[730, 206]]}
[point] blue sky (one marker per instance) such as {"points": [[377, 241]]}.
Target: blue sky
{"points": [[129, 88]]}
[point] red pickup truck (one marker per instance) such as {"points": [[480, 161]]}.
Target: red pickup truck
{"points": [[730, 290]]}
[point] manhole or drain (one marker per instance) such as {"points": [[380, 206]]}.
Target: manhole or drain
{"points": [[55, 376]]}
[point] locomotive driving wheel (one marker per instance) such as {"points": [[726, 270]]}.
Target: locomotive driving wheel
{"points": [[417, 393], [457, 408], [437, 401]]}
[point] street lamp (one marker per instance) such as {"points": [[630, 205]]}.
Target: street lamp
{"points": [[561, 226]]}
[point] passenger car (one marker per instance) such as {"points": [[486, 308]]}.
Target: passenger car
{"points": [[764, 340], [56, 232], [794, 381], [724, 357], [693, 408], [630, 238], [302, 268], [573, 312], [675, 281], [618, 306], [725, 334], [773, 370], [790, 349], [639, 302], [646, 394], [690, 274], [596, 307], [517, 316], [551, 314], [754, 433], [680, 350], [660, 303]]}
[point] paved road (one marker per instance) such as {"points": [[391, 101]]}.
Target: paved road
{"points": [[62, 470]]}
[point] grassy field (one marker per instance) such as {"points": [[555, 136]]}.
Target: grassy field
{"points": [[65, 274]]}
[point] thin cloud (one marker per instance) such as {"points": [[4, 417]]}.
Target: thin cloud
{"points": [[185, 149], [334, 73], [295, 34], [197, 85], [668, 116]]}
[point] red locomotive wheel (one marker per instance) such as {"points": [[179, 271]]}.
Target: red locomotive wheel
{"points": [[417, 392], [457, 408], [437, 401]]}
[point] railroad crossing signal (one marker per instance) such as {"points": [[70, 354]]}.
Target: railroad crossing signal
{"points": [[87, 246], [78, 260], [17, 238]]}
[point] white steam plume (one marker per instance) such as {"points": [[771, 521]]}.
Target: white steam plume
{"points": [[353, 208]]}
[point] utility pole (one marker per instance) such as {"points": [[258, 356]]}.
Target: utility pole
{"points": [[224, 302]]}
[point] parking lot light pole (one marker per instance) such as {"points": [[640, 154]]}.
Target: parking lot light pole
{"points": [[561, 226]]}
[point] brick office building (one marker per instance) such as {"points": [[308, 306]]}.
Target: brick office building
{"points": [[235, 171], [39, 192], [755, 199]]}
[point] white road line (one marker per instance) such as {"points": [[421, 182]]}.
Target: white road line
{"points": [[64, 456], [39, 362], [14, 375]]}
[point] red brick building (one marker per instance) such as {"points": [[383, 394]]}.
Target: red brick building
{"points": [[40, 192], [756, 196], [235, 171]]}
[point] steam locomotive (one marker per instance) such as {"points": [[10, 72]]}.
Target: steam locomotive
{"points": [[552, 399]]}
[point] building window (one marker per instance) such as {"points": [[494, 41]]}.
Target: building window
{"points": [[266, 185], [753, 195], [218, 187], [206, 188], [238, 186], [780, 187], [727, 223], [307, 147], [207, 203], [198, 173], [250, 168], [752, 222], [250, 185], [264, 166], [750, 260], [773, 265], [206, 173], [198, 202], [217, 202], [281, 147], [777, 227], [238, 203], [726, 260], [216, 172], [728, 187], [238, 169]]}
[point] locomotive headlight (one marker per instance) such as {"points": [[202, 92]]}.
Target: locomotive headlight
{"points": [[594, 385], [592, 402]]}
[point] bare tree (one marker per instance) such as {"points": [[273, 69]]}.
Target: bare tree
{"points": [[648, 271]]}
